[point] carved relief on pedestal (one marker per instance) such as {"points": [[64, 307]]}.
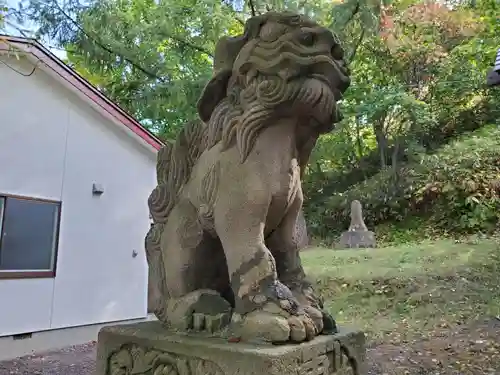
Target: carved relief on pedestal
{"points": [[135, 360], [338, 359], [132, 359]]}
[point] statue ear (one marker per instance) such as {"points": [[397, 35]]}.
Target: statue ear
{"points": [[213, 93]]}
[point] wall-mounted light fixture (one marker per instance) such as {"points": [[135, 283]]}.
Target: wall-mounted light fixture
{"points": [[97, 189]]}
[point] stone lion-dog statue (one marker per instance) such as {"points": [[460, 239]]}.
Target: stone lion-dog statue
{"points": [[223, 250]]}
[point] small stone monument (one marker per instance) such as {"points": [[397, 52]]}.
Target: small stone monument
{"points": [[227, 282], [358, 235]]}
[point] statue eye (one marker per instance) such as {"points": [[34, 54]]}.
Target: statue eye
{"points": [[307, 39], [294, 20]]}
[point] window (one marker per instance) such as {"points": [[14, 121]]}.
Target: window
{"points": [[28, 237]]}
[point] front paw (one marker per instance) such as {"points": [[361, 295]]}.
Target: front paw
{"points": [[271, 323], [304, 293], [313, 306], [273, 314]]}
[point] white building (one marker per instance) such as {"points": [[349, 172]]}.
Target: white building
{"points": [[75, 177]]}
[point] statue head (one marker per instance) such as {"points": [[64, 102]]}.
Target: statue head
{"points": [[283, 65]]}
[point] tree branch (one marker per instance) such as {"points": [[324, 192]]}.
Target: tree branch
{"points": [[353, 13], [188, 44], [302, 4], [360, 40], [234, 12], [252, 8], [107, 49], [240, 21], [125, 58]]}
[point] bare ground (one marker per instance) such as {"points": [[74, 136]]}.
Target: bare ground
{"points": [[472, 349], [74, 360]]}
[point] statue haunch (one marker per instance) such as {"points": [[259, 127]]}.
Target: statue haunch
{"points": [[223, 251]]}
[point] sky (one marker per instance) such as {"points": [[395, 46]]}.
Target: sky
{"points": [[47, 43]]}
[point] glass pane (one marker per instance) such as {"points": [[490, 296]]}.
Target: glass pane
{"points": [[28, 238], [2, 202]]}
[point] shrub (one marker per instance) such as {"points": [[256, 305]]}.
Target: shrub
{"points": [[457, 189]]}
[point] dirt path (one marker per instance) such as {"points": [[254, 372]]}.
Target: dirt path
{"points": [[459, 350], [74, 360]]}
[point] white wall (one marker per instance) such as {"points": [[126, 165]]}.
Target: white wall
{"points": [[53, 145]]}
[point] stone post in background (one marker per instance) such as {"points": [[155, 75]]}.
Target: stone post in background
{"points": [[358, 235]]}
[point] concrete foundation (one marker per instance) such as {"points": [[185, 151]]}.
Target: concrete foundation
{"points": [[149, 349], [29, 343]]}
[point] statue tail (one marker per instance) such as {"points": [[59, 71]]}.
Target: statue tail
{"points": [[157, 291], [173, 170]]}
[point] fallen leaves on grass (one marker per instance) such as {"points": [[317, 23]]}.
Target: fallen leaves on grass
{"points": [[425, 308], [460, 350]]}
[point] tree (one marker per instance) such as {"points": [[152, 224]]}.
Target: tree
{"points": [[156, 58], [3, 11], [418, 69]]}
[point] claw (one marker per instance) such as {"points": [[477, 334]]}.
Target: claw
{"points": [[311, 330], [329, 325], [272, 323], [317, 318], [198, 322], [202, 310], [297, 329]]}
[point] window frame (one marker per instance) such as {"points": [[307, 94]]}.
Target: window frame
{"points": [[32, 274]]}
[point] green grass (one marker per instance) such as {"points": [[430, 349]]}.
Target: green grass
{"points": [[407, 289]]}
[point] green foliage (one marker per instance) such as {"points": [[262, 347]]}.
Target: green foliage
{"points": [[418, 71], [416, 88], [463, 182], [157, 56], [173, 41], [3, 11], [457, 188]]}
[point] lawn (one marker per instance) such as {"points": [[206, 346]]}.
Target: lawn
{"points": [[438, 301]]}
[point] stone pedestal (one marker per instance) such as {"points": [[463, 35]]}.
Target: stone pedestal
{"points": [[355, 239], [149, 349]]}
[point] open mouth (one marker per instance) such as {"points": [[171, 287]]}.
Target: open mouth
{"points": [[321, 78], [329, 83]]}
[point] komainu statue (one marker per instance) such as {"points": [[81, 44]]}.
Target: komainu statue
{"points": [[223, 251]]}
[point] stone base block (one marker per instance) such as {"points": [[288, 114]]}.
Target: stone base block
{"points": [[149, 349], [357, 240]]}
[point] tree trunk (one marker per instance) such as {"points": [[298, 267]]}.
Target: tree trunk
{"points": [[381, 143], [381, 137], [359, 141]]}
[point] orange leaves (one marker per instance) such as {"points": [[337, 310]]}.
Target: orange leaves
{"points": [[426, 30]]}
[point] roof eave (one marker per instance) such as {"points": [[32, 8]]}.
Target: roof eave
{"points": [[89, 90]]}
